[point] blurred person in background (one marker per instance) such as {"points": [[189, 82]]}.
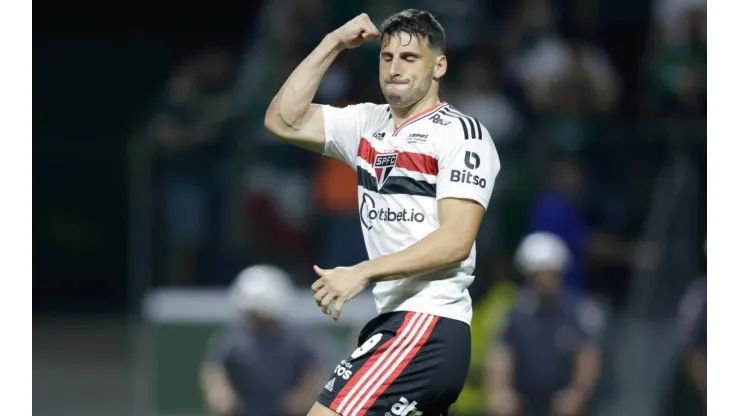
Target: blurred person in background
{"points": [[563, 81], [547, 359], [545, 62], [260, 366], [193, 139], [480, 95], [679, 66], [669, 17], [569, 88], [559, 209], [688, 393]]}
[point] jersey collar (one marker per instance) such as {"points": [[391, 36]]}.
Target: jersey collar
{"points": [[417, 116]]}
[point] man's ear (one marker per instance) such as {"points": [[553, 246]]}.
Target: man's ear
{"points": [[440, 66]]}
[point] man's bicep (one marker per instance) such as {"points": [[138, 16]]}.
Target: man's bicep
{"points": [[331, 131], [307, 133], [467, 168], [461, 216], [310, 132]]}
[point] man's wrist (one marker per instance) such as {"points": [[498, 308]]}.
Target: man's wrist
{"points": [[364, 269], [332, 41]]}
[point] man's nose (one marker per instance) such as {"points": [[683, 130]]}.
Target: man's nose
{"points": [[394, 69]]}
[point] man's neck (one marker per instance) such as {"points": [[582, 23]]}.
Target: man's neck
{"points": [[401, 115]]}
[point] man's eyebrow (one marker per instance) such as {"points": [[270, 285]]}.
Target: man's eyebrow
{"points": [[411, 53], [404, 54]]}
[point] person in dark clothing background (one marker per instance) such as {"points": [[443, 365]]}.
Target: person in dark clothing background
{"points": [[261, 366], [547, 360]]}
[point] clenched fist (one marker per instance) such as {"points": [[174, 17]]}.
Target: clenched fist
{"points": [[356, 32]]}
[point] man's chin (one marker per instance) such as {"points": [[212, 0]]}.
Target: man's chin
{"points": [[396, 100]]}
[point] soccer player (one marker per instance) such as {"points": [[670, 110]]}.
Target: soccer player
{"points": [[425, 173]]}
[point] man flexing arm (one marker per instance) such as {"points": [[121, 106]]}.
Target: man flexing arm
{"points": [[291, 115]]}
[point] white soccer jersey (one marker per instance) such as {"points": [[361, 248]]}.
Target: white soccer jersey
{"points": [[402, 173]]}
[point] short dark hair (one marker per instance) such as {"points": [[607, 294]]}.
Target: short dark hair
{"points": [[417, 23]]}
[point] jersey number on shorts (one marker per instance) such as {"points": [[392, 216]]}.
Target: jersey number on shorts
{"points": [[367, 346]]}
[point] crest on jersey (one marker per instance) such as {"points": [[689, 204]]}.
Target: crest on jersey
{"points": [[383, 165]]}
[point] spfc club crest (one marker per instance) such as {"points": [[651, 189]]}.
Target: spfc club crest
{"points": [[384, 163]]}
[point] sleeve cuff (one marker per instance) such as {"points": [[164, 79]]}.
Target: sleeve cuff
{"points": [[473, 197]]}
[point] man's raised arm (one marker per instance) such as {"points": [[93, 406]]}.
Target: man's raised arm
{"points": [[291, 114]]}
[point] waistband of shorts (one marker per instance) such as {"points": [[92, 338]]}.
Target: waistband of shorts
{"points": [[432, 310]]}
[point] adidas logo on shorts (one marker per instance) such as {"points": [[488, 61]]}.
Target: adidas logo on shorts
{"points": [[330, 385], [404, 408]]}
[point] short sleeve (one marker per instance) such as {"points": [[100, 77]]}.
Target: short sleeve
{"points": [[468, 165], [220, 347], [343, 128], [590, 320]]}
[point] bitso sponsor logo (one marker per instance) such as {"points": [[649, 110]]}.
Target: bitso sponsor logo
{"points": [[463, 176], [472, 160]]}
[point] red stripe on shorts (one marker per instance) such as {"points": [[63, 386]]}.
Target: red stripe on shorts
{"points": [[402, 361], [369, 364]]}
